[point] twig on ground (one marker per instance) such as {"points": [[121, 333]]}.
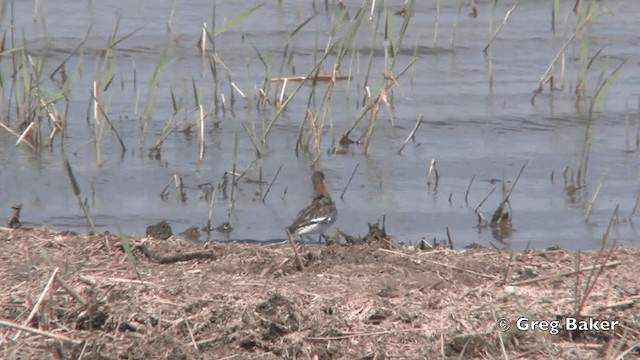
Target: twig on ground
{"points": [[443, 265], [173, 258], [13, 325], [353, 335], [70, 290], [566, 273], [38, 302]]}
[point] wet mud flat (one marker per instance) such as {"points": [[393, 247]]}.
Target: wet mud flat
{"points": [[70, 296]]}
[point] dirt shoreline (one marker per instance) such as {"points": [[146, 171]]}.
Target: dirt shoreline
{"points": [[81, 296]]}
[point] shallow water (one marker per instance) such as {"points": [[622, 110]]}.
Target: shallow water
{"points": [[474, 125]]}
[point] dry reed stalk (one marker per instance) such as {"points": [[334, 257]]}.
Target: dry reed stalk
{"points": [[10, 131], [433, 170], [455, 23], [179, 185], [25, 133], [485, 198], [157, 147], [36, 306], [437, 24], [372, 104], [449, 240], [504, 22], [319, 77], [237, 89], [76, 190], [595, 273], [98, 126], [201, 133], [271, 183], [545, 76], [50, 335], [111, 126], [362, 334], [70, 290], [203, 41], [441, 264], [565, 273], [466, 194], [280, 103], [349, 182], [592, 202], [412, 134], [299, 263]]}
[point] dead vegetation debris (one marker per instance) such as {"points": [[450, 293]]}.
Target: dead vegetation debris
{"points": [[69, 296]]}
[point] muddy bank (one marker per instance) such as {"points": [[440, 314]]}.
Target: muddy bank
{"points": [[66, 296]]}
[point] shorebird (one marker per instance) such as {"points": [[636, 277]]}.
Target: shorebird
{"points": [[319, 215]]}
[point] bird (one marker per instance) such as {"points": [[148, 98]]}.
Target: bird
{"points": [[318, 216]]}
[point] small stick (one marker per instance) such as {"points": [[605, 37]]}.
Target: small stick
{"points": [[201, 133], [25, 133], [593, 202], [193, 340], [111, 280], [485, 199], [113, 128], [566, 273], [349, 182], [164, 194], [593, 276], [213, 196], [507, 270], [449, 239], [516, 181], [10, 131], [412, 134], [177, 180], [625, 303], [544, 78], [504, 21], [466, 194], [353, 335], [433, 169], [272, 181], [38, 302], [38, 332], [237, 89], [280, 100], [442, 264], [203, 40], [76, 190], [240, 176], [70, 290], [295, 252], [158, 145]]}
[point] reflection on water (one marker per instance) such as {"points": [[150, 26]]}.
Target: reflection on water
{"points": [[479, 122]]}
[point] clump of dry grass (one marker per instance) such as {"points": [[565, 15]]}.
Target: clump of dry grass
{"points": [[76, 296]]}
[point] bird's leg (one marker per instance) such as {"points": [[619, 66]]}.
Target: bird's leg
{"points": [[320, 239]]}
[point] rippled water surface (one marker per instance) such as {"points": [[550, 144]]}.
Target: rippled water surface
{"points": [[478, 118]]}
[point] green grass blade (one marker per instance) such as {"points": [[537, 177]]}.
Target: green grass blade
{"points": [[236, 20]]}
